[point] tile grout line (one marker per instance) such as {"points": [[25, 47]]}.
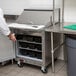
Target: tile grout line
{"points": [[60, 68]]}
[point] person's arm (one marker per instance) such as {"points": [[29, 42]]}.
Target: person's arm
{"points": [[4, 27]]}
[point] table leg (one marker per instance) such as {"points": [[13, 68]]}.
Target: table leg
{"points": [[52, 53]]}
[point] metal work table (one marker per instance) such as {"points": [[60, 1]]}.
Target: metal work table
{"points": [[59, 30]]}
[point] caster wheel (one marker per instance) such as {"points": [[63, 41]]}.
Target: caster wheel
{"points": [[20, 64], [43, 70]]}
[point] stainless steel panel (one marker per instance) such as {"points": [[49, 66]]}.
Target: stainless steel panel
{"points": [[35, 17]]}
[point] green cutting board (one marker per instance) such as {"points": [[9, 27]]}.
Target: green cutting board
{"points": [[72, 26]]}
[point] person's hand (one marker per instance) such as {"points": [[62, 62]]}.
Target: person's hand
{"points": [[12, 37]]}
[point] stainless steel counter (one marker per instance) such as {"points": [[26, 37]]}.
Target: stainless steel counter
{"points": [[57, 29]]}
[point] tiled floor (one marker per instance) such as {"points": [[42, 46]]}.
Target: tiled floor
{"points": [[28, 70]]}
